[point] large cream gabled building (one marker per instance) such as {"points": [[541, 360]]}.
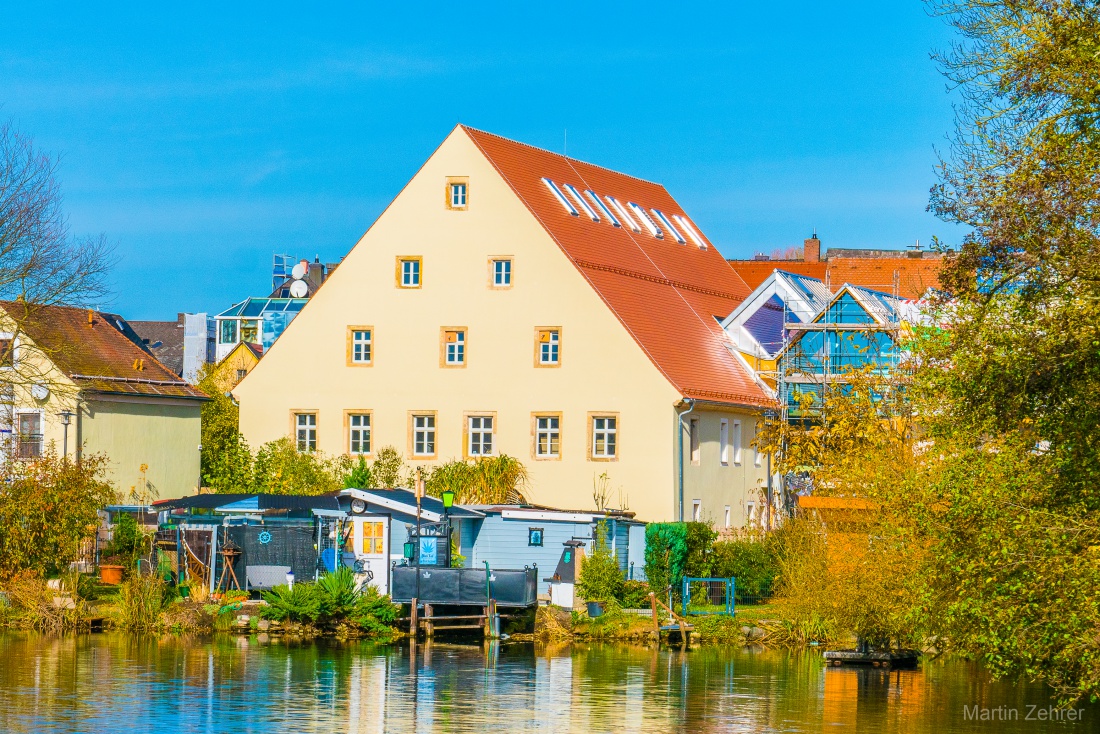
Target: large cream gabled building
{"points": [[512, 300]]}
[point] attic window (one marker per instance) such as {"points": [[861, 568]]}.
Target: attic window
{"points": [[624, 213], [583, 204], [668, 225], [602, 207], [690, 231], [560, 197], [649, 223]]}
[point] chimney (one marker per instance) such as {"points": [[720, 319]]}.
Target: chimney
{"points": [[811, 249]]}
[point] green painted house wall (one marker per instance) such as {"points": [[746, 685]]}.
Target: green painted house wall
{"points": [[162, 433]]}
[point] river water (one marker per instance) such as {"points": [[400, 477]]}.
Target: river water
{"points": [[117, 682]]}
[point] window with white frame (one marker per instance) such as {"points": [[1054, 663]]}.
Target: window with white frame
{"points": [[480, 431], [549, 347], [424, 435], [737, 442], [696, 510], [728, 517], [693, 436], [605, 434], [756, 448], [409, 272], [306, 431], [724, 441], [359, 433], [361, 341], [29, 438], [750, 514], [454, 347], [502, 273], [548, 436], [227, 331], [458, 195]]}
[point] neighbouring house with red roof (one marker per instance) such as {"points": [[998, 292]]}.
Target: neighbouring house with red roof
{"points": [[83, 382], [515, 301], [905, 274]]}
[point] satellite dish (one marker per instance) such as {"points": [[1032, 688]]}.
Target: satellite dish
{"points": [[40, 392], [299, 289], [299, 271]]}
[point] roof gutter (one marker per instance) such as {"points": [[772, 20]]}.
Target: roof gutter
{"points": [[680, 438]]}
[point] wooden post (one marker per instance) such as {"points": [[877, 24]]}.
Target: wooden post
{"points": [[428, 627], [413, 628], [656, 619]]}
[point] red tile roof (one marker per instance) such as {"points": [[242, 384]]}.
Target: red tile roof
{"points": [[914, 275], [755, 272], [100, 354], [667, 295]]}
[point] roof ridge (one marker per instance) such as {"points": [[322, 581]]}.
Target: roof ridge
{"points": [[560, 155]]}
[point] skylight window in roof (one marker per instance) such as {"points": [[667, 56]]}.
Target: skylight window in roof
{"points": [[624, 214], [583, 204], [602, 207], [668, 225], [683, 221], [560, 197], [647, 221]]}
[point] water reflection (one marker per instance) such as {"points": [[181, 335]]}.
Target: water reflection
{"points": [[114, 682]]}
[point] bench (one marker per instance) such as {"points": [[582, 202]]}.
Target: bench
{"points": [[264, 577]]}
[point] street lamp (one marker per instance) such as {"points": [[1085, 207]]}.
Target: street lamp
{"points": [[66, 417], [448, 497]]}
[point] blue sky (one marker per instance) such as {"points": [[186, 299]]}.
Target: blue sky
{"points": [[201, 141]]}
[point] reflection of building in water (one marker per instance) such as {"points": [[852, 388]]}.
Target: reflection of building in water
{"points": [[554, 682], [367, 695], [890, 697]]}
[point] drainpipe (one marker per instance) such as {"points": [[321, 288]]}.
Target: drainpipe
{"points": [[680, 437]]}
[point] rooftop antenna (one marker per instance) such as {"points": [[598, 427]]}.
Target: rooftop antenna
{"points": [[915, 246], [565, 146]]}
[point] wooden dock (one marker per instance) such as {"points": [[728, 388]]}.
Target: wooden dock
{"points": [[899, 659]]}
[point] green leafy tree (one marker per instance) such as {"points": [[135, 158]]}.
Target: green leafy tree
{"points": [[226, 460], [601, 579], [281, 469], [359, 477], [388, 468], [487, 480], [48, 510]]}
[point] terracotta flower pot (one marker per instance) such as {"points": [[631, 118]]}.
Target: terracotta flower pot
{"points": [[110, 575]]}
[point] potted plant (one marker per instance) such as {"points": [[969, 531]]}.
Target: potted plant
{"points": [[110, 570]]}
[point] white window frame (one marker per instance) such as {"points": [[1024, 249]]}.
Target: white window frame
{"points": [[728, 516], [576, 196], [647, 221], [362, 349], [624, 213], [359, 433], [697, 510], [694, 441], [502, 272], [602, 207], [424, 436], [550, 348], [410, 273], [560, 197], [458, 195], [668, 225], [608, 433], [552, 430], [454, 353], [737, 442], [305, 432], [724, 441], [695, 236], [750, 514], [756, 447], [17, 434], [481, 433]]}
